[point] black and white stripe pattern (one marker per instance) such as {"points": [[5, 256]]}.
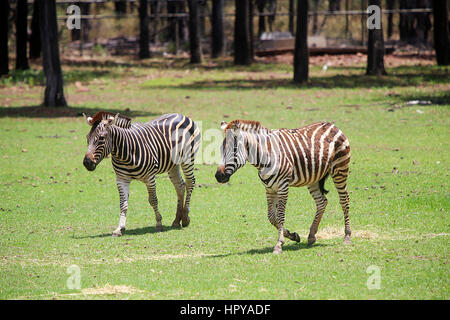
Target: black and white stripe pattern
{"points": [[140, 151], [289, 158]]}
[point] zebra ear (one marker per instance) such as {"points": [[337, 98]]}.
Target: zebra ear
{"points": [[88, 119], [112, 120], [234, 126], [223, 125]]}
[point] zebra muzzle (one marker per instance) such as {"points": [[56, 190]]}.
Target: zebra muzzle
{"points": [[222, 177], [89, 164]]}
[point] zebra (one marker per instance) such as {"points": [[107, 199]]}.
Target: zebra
{"points": [[289, 158], [140, 151]]}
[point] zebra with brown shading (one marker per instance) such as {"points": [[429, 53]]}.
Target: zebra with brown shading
{"points": [[289, 158], [140, 151]]}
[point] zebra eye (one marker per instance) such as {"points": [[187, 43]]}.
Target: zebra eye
{"points": [[101, 138]]}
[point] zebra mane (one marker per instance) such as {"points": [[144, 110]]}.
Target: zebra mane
{"points": [[247, 125], [122, 121]]}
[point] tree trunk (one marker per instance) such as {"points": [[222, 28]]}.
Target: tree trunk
{"points": [[194, 32], [35, 38], [441, 32], [375, 50], [301, 52], [315, 18], [242, 45], [334, 5], [21, 35], [390, 6], [54, 92], [251, 9], [202, 6], [144, 36], [120, 7], [291, 16], [155, 9], [218, 36], [347, 5], [4, 18], [260, 5], [272, 13]]}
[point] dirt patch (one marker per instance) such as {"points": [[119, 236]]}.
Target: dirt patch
{"points": [[359, 59], [109, 289], [334, 232]]}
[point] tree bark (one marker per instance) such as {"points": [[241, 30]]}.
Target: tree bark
{"points": [[375, 48], [251, 9], [218, 36], [21, 35], [260, 5], [144, 37], [4, 19], [390, 6], [291, 16], [154, 10], [315, 17], [301, 52], [441, 32], [54, 92], [242, 45], [194, 32], [120, 7], [35, 38]]}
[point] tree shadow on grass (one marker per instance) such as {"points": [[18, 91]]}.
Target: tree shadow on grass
{"points": [[360, 81], [293, 246], [130, 232], [60, 112]]}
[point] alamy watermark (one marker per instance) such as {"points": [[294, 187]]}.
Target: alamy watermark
{"points": [[374, 280], [74, 19], [74, 280], [374, 18]]}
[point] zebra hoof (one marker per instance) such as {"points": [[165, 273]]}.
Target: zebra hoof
{"points": [[296, 237], [347, 240], [186, 222], [311, 241], [117, 233], [159, 228], [277, 250], [176, 225]]}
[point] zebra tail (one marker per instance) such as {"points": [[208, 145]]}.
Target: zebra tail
{"points": [[322, 184]]}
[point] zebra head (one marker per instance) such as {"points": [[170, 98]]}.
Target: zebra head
{"points": [[233, 152], [99, 140]]}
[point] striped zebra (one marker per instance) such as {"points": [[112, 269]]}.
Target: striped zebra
{"points": [[140, 151], [289, 158]]}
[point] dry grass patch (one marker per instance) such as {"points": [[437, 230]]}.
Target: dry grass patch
{"points": [[335, 232], [109, 289]]}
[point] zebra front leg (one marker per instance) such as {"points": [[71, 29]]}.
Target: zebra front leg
{"points": [[124, 190], [188, 170], [178, 183], [277, 206], [273, 205], [321, 204], [153, 200]]}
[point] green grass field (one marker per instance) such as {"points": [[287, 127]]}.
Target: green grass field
{"points": [[55, 214]]}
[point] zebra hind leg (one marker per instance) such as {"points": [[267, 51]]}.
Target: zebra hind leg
{"points": [[321, 204], [153, 200], [188, 170], [340, 181], [178, 183]]}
